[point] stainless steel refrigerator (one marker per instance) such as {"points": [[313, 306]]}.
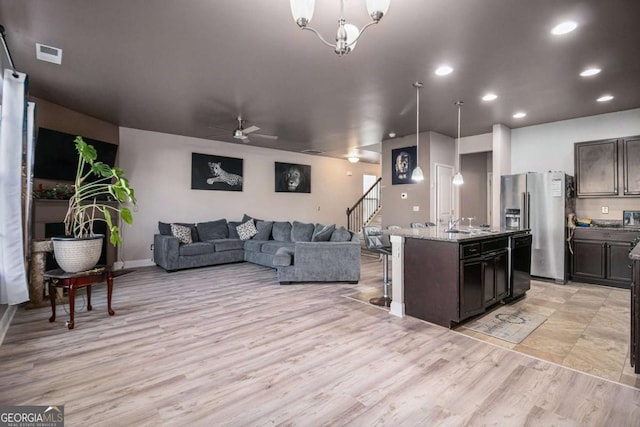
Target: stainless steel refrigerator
{"points": [[540, 202]]}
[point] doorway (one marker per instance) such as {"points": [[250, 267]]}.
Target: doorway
{"points": [[443, 193]]}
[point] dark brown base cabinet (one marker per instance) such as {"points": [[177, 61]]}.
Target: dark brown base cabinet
{"points": [[448, 282], [634, 351], [601, 256]]}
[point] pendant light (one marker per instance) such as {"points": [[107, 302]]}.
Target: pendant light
{"points": [[417, 174], [457, 178]]}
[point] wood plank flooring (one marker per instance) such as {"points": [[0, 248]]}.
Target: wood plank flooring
{"points": [[227, 345]]}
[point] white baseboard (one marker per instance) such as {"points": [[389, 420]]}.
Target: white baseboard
{"points": [[133, 264], [5, 321]]}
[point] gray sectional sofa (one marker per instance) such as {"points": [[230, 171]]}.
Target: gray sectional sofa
{"points": [[300, 252]]}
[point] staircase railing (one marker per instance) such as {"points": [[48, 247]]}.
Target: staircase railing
{"points": [[365, 208]]}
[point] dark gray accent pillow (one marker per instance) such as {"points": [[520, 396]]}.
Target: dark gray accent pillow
{"points": [[322, 233], [264, 230], [164, 228], [246, 218], [281, 231], [301, 232], [233, 233], [194, 230], [340, 235], [212, 230]]}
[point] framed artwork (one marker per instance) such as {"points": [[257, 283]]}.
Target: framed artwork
{"points": [[292, 178], [215, 173], [403, 162]]}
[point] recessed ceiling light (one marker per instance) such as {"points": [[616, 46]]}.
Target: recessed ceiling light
{"points": [[590, 72], [353, 159], [392, 134], [605, 98], [443, 70], [564, 28], [490, 97], [519, 115]]}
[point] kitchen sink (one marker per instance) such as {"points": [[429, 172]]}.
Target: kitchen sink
{"points": [[457, 231]]}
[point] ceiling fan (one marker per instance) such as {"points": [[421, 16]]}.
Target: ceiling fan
{"points": [[242, 133]]}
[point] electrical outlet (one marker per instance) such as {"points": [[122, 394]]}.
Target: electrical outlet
{"points": [[403, 195], [605, 209], [416, 208]]}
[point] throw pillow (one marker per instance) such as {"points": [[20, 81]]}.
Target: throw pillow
{"points": [[340, 235], [182, 233], [246, 218], [194, 230], [281, 231], [264, 230], [213, 230], [246, 230], [322, 233], [232, 225], [301, 232], [164, 228]]}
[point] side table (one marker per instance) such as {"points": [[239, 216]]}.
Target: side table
{"points": [[72, 281]]}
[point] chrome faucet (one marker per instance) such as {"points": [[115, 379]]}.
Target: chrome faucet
{"points": [[452, 223]]}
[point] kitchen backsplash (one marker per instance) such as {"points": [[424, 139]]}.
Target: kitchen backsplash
{"points": [[592, 208]]}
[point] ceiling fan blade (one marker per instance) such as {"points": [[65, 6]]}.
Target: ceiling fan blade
{"points": [[251, 129], [219, 127], [265, 136]]}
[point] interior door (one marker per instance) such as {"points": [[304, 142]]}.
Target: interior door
{"points": [[444, 193]]}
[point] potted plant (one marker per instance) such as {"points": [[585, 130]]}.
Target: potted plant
{"points": [[92, 200]]}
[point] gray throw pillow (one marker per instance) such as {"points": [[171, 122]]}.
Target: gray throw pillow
{"points": [[301, 232], [246, 218], [164, 228], [281, 231], [264, 230], [340, 235], [213, 230], [322, 233], [233, 233]]}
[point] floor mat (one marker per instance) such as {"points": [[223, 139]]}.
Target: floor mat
{"points": [[507, 323]]}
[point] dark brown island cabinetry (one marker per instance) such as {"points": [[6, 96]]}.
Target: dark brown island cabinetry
{"points": [[601, 256], [608, 168], [448, 282]]}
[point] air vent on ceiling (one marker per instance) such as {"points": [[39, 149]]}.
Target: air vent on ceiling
{"points": [[312, 151], [48, 53]]}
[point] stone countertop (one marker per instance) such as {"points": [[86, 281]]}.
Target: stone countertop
{"points": [[438, 233], [610, 227]]}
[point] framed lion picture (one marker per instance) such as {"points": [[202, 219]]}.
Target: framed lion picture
{"points": [[293, 178], [403, 163], [216, 173]]}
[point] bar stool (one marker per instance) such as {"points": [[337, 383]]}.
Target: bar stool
{"points": [[379, 243], [417, 225]]}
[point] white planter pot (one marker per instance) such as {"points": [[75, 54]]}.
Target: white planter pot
{"points": [[75, 255]]}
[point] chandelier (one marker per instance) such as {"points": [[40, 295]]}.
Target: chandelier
{"points": [[347, 34]]}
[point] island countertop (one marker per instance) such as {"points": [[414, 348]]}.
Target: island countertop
{"points": [[464, 233]]}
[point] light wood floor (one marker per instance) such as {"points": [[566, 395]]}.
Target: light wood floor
{"points": [[227, 345]]}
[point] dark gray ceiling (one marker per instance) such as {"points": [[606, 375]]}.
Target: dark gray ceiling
{"points": [[181, 67]]}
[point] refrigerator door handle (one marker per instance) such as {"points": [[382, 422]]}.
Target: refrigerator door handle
{"points": [[527, 210]]}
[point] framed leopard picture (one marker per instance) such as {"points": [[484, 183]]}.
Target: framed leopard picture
{"points": [[216, 173]]}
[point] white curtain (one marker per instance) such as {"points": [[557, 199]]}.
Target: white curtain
{"points": [[13, 140]]}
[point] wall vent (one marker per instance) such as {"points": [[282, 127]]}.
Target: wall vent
{"points": [[312, 151], [48, 53]]}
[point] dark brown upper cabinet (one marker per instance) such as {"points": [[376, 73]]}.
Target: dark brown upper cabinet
{"points": [[608, 168], [631, 166]]}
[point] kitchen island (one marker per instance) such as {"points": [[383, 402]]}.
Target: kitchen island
{"points": [[444, 277]]}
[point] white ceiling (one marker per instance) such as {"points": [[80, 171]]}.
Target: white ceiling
{"points": [[181, 67]]}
